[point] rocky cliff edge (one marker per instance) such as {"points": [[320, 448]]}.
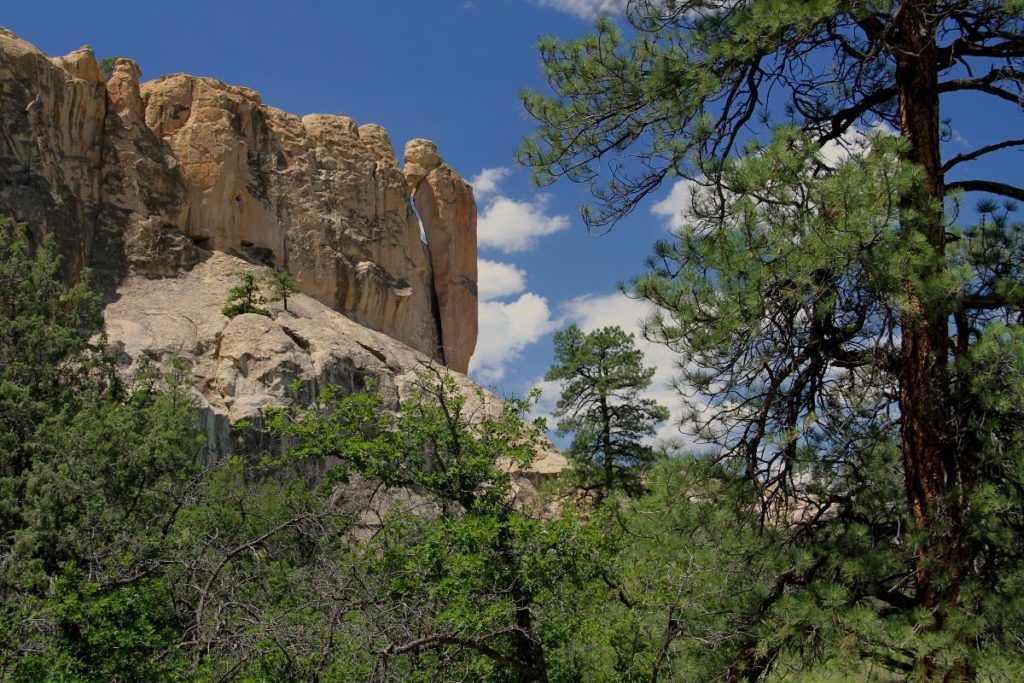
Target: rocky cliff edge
{"points": [[168, 190], [150, 178]]}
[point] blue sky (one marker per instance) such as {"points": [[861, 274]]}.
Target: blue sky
{"points": [[447, 70]]}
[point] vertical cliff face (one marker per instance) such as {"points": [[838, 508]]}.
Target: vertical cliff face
{"points": [[148, 178], [446, 206]]}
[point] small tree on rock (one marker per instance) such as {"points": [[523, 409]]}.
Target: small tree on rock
{"points": [[107, 66], [601, 404], [281, 283], [245, 297]]}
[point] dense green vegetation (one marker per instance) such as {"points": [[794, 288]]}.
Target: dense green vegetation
{"points": [[852, 348]]}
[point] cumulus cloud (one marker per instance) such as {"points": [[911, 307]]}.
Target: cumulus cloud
{"points": [[676, 205], [507, 224], [485, 183], [496, 280], [512, 225], [505, 330], [585, 9], [855, 141]]}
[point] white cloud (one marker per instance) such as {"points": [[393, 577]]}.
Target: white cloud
{"points": [[585, 9], [676, 205], [855, 141], [546, 401], [505, 330], [511, 225], [485, 183], [507, 224], [496, 280]]}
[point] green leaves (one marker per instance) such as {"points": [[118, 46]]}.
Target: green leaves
{"points": [[281, 283], [93, 471]]}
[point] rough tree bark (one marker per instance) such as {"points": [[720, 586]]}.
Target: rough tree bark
{"points": [[929, 456]]}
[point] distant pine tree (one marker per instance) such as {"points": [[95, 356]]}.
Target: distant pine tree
{"points": [[281, 283], [245, 297], [601, 404]]}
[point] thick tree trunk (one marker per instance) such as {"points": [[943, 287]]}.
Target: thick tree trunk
{"points": [[929, 456]]}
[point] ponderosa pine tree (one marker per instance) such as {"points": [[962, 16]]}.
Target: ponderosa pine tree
{"points": [[602, 406], [909, 305], [245, 297], [282, 283]]}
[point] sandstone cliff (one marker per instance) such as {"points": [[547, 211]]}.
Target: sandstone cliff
{"points": [[151, 178], [170, 189]]}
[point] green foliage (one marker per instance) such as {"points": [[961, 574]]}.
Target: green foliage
{"points": [[281, 283], [377, 540], [467, 579], [93, 472], [107, 633], [602, 406], [43, 343], [245, 297], [831, 321], [439, 440], [107, 66], [786, 294]]}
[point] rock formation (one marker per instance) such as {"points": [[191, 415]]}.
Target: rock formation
{"points": [[170, 189], [150, 178], [244, 364], [446, 207]]}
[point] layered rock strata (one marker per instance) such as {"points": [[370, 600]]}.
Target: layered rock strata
{"points": [[151, 178]]}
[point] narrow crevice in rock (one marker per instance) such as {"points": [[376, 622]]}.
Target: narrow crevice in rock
{"points": [[299, 340]]}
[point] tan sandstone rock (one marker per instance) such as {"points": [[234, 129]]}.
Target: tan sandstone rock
{"points": [[169, 189], [77, 162], [145, 178], [319, 195], [448, 211], [244, 364]]}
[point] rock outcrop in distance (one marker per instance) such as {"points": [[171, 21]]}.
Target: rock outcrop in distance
{"points": [[168, 190], [150, 178]]}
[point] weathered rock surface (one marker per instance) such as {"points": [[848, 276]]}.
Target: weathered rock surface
{"points": [[148, 178], [243, 364], [446, 206]]}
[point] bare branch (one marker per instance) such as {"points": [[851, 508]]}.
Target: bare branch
{"points": [[989, 186], [981, 151]]}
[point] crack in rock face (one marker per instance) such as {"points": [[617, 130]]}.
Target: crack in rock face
{"points": [[170, 189], [149, 178]]}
